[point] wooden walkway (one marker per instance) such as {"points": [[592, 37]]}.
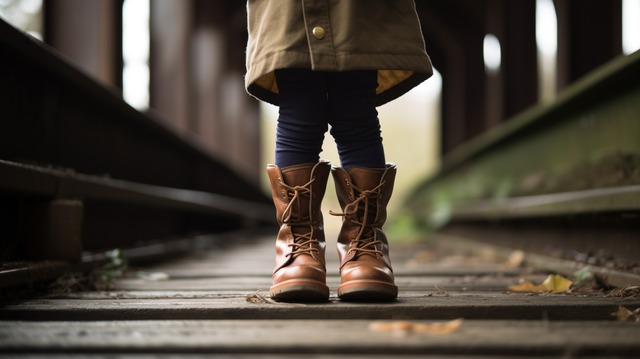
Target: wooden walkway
{"points": [[216, 301]]}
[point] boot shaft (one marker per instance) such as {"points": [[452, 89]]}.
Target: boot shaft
{"points": [[297, 192], [359, 185], [364, 194]]}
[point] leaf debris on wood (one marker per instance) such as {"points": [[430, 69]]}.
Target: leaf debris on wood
{"points": [[258, 298], [406, 327], [441, 290], [99, 279], [625, 315], [554, 283], [625, 292]]}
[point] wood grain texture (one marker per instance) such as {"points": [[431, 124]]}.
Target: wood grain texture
{"points": [[217, 302], [320, 336]]}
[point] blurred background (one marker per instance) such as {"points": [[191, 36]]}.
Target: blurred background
{"points": [[182, 64], [185, 61]]}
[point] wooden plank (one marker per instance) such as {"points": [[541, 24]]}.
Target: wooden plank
{"points": [[222, 294], [271, 356], [470, 306], [266, 356], [329, 337], [217, 301], [257, 259], [410, 283], [549, 263], [260, 270]]}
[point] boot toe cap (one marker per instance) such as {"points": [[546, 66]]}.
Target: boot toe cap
{"points": [[299, 284], [379, 274], [301, 272]]}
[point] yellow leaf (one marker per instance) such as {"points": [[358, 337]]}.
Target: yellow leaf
{"points": [[556, 283], [553, 283], [404, 327]]}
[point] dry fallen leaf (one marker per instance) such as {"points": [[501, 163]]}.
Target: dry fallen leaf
{"points": [[527, 287], [441, 290], [554, 283], [438, 328], [623, 314], [259, 298], [405, 327]]}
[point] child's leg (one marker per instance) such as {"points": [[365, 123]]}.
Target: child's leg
{"points": [[354, 119], [363, 188], [302, 120], [298, 183]]}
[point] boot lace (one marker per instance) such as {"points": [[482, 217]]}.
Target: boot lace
{"points": [[362, 212], [303, 242]]}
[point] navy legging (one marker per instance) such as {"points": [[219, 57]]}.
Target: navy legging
{"points": [[312, 100]]}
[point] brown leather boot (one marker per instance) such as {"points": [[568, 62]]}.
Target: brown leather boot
{"points": [[365, 267], [300, 272]]}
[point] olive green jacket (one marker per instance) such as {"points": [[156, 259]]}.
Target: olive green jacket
{"points": [[336, 35]]}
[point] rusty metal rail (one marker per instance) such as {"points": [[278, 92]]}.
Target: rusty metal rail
{"points": [[81, 170], [52, 183], [560, 178]]}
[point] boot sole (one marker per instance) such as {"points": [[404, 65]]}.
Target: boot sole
{"points": [[367, 291], [300, 291]]}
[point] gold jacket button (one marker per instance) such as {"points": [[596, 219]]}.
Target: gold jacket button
{"points": [[318, 32]]}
